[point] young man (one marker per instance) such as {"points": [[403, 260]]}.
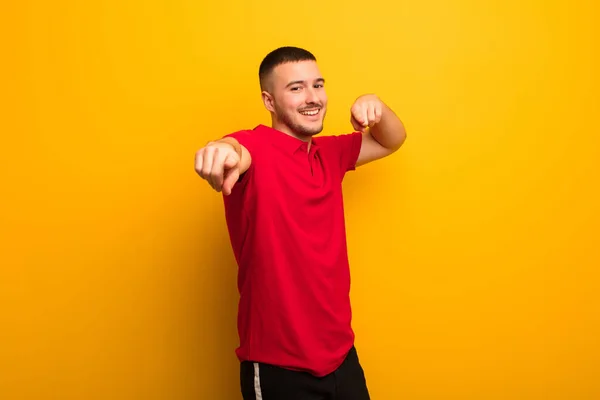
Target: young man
{"points": [[284, 209]]}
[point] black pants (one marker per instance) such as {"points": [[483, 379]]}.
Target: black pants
{"points": [[267, 382]]}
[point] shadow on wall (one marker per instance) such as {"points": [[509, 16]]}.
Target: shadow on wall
{"points": [[207, 300]]}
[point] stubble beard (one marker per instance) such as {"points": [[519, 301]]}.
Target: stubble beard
{"points": [[297, 128]]}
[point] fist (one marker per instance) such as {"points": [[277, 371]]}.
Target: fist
{"points": [[218, 164], [366, 112]]}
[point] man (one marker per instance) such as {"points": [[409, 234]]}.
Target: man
{"points": [[284, 209]]}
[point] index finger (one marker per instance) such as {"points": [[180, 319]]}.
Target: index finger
{"points": [[217, 171], [198, 163]]}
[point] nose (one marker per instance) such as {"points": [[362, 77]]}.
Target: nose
{"points": [[311, 96]]}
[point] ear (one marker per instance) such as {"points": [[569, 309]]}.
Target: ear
{"points": [[268, 101]]}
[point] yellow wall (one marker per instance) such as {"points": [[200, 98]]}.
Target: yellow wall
{"points": [[473, 249]]}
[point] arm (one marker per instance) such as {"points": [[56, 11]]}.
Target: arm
{"points": [[383, 132], [222, 162]]}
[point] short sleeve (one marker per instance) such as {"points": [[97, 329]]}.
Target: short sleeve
{"points": [[342, 150], [245, 138], [350, 145]]}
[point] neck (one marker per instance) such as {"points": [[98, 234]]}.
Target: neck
{"points": [[281, 127]]}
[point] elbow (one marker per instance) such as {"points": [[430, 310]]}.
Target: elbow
{"points": [[403, 137], [400, 139]]}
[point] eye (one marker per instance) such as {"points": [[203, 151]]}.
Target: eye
{"points": [[318, 86], [295, 88]]}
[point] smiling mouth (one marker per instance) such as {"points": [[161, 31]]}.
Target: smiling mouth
{"points": [[311, 113]]}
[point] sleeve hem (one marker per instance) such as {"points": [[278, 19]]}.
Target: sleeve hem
{"points": [[354, 150]]}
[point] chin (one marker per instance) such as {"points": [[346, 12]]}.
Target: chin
{"points": [[310, 131]]}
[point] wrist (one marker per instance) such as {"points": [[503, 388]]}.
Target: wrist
{"points": [[237, 147]]}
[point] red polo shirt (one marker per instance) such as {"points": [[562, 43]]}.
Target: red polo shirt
{"points": [[285, 218]]}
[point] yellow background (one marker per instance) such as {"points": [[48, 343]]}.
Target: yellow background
{"points": [[474, 249]]}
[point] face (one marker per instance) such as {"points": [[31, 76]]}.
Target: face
{"points": [[296, 97]]}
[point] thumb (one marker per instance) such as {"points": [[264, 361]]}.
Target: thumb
{"points": [[357, 125], [231, 178]]}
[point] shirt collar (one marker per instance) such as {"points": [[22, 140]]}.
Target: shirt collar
{"points": [[286, 142]]}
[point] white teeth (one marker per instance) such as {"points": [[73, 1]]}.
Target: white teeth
{"points": [[313, 112]]}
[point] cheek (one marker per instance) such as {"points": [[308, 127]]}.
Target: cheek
{"points": [[292, 103], [323, 99]]}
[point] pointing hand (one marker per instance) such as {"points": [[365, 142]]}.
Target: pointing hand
{"points": [[366, 112]]}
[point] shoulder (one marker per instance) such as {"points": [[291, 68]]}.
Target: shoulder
{"points": [[249, 138], [340, 143], [245, 134], [335, 140], [342, 149]]}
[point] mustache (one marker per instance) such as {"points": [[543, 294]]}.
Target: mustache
{"points": [[311, 106]]}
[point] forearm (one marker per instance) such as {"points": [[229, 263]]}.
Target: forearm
{"points": [[233, 143], [242, 152], [389, 132]]}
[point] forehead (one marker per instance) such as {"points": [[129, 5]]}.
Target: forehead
{"points": [[296, 71]]}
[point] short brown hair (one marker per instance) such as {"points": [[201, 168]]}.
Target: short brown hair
{"points": [[280, 56]]}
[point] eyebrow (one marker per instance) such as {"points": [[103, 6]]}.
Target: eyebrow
{"points": [[320, 80]]}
